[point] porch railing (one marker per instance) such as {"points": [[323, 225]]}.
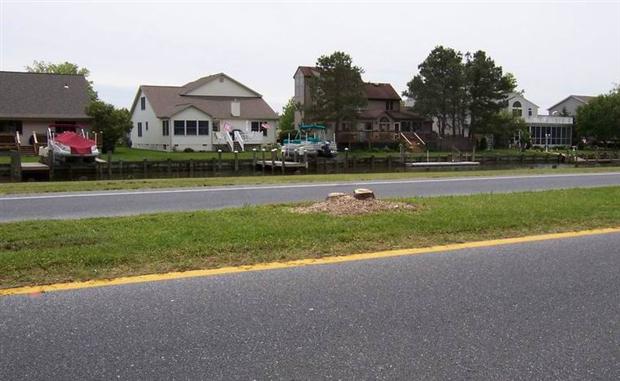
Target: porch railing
{"points": [[239, 139]]}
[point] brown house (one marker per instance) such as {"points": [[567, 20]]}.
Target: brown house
{"points": [[383, 121]]}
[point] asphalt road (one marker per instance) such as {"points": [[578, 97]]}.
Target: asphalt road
{"points": [[544, 310], [118, 203]]}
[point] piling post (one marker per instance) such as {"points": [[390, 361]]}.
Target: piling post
{"points": [[273, 160], [346, 158], [109, 159], [16, 166], [263, 158], [253, 160], [236, 156], [219, 160]]}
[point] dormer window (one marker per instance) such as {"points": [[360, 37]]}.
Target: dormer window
{"points": [[516, 109]]}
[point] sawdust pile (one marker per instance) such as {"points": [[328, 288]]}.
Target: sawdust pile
{"points": [[347, 205]]}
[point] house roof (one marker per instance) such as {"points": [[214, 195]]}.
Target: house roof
{"points": [[580, 98], [307, 71], [43, 96], [191, 86], [380, 91], [513, 95], [168, 101]]}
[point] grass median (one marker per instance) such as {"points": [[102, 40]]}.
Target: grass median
{"points": [[80, 186], [42, 252]]}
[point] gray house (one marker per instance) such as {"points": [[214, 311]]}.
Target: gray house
{"points": [[569, 105]]}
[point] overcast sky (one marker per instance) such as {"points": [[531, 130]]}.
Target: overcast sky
{"points": [[554, 49]]}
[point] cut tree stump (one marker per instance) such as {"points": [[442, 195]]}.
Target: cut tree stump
{"points": [[363, 194]]}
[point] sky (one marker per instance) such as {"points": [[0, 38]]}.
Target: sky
{"points": [[553, 48]]}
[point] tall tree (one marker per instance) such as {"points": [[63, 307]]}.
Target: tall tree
{"points": [[337, 92], [488, 89], [287, 118], [113, 123], [438, 88], [600, 118], [63, 68]]}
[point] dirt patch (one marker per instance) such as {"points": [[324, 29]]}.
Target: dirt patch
{"points": [[347, 205]]}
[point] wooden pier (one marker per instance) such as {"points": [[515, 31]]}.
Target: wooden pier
{"points": [[280, 163], [444, 164]]}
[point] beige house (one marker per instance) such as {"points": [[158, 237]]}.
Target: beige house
{"points": [[211, 113]]}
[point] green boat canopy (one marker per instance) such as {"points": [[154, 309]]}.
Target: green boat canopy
{"points": [[311, 127]]}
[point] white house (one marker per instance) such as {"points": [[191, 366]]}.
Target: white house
{"points": [[545, 130], [213, 112]]}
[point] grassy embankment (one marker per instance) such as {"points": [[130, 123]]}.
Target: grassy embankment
{"points": [[77, 186], [40, 252]]}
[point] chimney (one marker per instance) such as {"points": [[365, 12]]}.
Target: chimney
{"points": [[235, 108]]}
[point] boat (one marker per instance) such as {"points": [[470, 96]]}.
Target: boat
{"points": [[69, 142], [310, 139]]}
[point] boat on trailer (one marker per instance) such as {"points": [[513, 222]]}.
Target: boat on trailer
{"points": [[69, 142], [310, 139]]}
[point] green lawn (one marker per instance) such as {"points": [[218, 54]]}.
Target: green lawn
{"points": [[41, 252], [76, 186]]}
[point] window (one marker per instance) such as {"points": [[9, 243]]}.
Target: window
{"points": [[516, 109], [142, 103], [179, 127], [389, 105], [146, 124], [190, 127], [216, 126], [139, 129], [529, 111], [203, 127], [368, 126], [255, 126], [384, 124], [165, 128]]}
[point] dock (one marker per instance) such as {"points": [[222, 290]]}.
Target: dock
{"points": [[35, 167], [280, 163], [443, 164]]}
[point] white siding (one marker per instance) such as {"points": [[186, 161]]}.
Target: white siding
{"points": [[223, 86], [195, 142], [153, 137]]}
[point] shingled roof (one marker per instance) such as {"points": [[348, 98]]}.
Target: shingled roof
{"points": [[43, 96], [167, 101], [380, 91]]}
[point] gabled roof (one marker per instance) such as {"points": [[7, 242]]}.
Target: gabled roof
{"points": [[42, 95], [579, 98], [191, 86], [168, 101], [307, 71], [513, 95], [380, 91]]}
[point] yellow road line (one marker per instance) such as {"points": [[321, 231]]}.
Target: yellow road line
{"points": [[297, 263]]}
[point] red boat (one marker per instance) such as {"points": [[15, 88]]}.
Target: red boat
{"points": [[69, 141]]}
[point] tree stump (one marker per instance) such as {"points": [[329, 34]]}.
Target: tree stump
{"points": [[363, 194]]}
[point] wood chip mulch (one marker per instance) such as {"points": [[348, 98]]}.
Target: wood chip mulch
{"points": [[349, 206]]}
